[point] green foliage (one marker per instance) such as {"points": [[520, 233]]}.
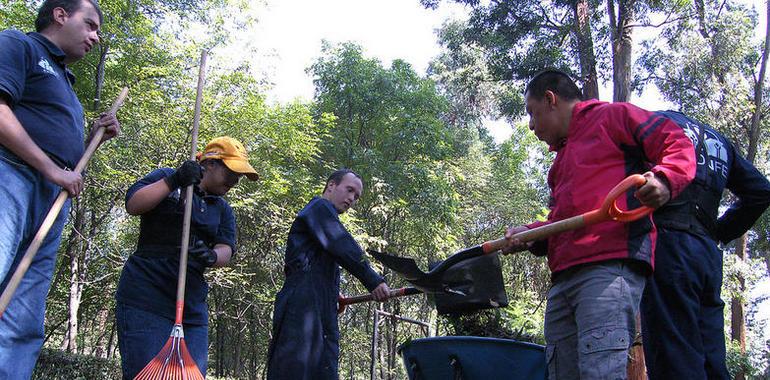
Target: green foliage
{"points": [[707, 67], [60, 365], [435, 182], [388, 128], [17, 15], [521, 320], [739, 362]]}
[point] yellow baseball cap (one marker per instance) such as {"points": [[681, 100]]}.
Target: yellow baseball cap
{"points": [[233, 155]]}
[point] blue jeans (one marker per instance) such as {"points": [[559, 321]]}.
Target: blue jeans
{"points": [[590, 321], [141, 336], [25, 198]]}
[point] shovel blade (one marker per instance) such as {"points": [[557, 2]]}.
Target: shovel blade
{"points": [[405, 267]]}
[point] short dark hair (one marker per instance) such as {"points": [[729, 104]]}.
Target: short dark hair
{"points": [[45, 13], [337, 176], [555, 81]]}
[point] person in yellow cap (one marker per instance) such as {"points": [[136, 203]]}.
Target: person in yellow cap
{"points": [[146, 295]]}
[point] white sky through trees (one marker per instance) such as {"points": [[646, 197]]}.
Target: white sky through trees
{"points": [[386, 29]]}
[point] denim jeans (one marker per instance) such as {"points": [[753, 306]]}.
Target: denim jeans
{"points": [[590, 321], [141, 336], [25, 198]]}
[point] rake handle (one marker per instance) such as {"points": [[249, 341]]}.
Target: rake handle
{"points": [[189, 196], [53, 212]]}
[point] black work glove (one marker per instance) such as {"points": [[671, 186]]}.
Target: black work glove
{"points": [[202, 253], [189, 173]]}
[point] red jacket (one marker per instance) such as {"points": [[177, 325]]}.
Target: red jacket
{"points": [[605, 143]]}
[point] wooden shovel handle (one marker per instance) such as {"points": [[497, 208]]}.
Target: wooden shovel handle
{"points": [[344, 301], [53, 212], [608, 211]]}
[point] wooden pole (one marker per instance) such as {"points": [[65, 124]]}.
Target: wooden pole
{"points": [[53, 213]]}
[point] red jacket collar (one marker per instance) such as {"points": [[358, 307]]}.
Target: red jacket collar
{"points": [[577, 114]]}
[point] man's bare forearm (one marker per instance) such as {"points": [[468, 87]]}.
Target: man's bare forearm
{"points": [[15, 138]]}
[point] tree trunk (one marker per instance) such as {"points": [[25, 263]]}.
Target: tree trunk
{"points": [[700, 12], [70, 338], [758, 87], [636, 367], [737, 315], [100, 75], [99, 349], [77, 263], [73, 300], [111, 342], [622, 41], [585, 45]]}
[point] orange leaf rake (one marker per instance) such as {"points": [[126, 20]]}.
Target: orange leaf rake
{"points": [[174, 361]]}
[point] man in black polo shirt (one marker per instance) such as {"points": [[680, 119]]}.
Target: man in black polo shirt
{"points": [[41, 139]]}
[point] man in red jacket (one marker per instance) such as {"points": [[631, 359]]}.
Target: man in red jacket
{"points": [[599, 271]]}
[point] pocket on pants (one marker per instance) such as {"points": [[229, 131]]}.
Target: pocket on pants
{"points": [[604, 353], [604, 339], [12, 160]]}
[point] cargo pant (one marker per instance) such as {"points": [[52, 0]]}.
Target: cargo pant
{"points": [[590, 320]]}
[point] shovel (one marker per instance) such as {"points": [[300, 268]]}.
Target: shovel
{"points": [[431, 282], [344, 301]]}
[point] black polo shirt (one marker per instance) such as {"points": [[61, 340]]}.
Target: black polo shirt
{"points": [[38, 87], [149, 278]]}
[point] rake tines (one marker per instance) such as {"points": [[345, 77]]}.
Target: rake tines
{"points": [[173, 362]]}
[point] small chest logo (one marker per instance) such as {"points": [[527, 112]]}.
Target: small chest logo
{"points": [[715, 149], [47, 67]]}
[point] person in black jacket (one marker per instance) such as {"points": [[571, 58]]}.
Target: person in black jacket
{"points": [[682, 310], [305, 342]]}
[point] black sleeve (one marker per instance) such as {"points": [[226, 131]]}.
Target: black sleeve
{"points": [[752, 190], [151, 178], [337, 241]]}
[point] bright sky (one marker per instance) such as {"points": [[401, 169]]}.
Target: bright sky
{"points": [[292, 31], [386, 29]]}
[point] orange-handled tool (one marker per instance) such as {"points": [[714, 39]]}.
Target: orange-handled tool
{"points": [[431, 282], [608, 211]]}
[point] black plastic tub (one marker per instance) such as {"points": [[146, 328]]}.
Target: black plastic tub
{"points": [[472, 358]]}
